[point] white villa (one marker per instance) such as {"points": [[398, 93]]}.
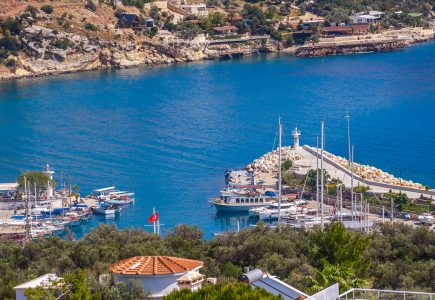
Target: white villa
{"points": [[159, 275], [199, 10], [46, 281], [363, 18]]}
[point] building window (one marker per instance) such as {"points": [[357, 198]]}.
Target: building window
{"points": [[256, 200], [237, 200]]}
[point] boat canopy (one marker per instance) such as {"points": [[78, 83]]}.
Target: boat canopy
{"points": [[106, 189], [118, 192]]}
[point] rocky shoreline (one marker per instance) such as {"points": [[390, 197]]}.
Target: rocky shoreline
{"points": [[40, 58]]}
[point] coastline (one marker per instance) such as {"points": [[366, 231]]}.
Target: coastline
{"points": [[103, 56]]}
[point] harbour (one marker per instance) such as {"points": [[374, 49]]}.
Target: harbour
{"points": [[177, 168]]}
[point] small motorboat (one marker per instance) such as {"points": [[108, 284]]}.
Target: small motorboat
{"points": [[104, 209]]}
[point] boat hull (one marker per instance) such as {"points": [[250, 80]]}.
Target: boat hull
{"points": [[102, 211], [236, 208]]}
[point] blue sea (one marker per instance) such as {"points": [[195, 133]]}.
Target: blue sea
{"points": [[169, 133]]}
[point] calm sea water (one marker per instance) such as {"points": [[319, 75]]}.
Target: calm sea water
{"points": [[169, 133]]}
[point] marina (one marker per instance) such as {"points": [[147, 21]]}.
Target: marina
{"points": [[294, 205], [34, 212]]}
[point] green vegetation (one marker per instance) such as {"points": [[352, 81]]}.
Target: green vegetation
{"points": [[398, 257], [223, 291], [61, 43], [91, 5], [35, 177], [286, 165], [312, 178], [48, 9], [137, 3], [32, 10], [10, 62], [340, 10], [91, 27]]}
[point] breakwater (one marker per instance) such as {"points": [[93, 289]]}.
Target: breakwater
{"points": [[325, 49]]}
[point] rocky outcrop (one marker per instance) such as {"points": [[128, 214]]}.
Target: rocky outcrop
{"points": [[357, 47]]}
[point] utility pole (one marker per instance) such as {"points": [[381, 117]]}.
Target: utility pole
{"points": [[322, 140]]}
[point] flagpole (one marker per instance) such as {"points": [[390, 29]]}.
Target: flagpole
{"points": [[154, 223]]}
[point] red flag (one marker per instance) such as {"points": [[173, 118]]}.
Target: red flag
{"points": [[153, 218]]}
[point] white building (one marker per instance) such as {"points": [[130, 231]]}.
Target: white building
{"points": [[199, 10], [46, 281], [159, 275], [363, 18], [377, 14]]}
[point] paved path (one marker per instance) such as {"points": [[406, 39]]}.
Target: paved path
{"points": [[308, 162]]}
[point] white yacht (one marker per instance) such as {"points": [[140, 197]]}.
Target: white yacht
{"points": [[241, 200], [255, 212], [272, 214]]}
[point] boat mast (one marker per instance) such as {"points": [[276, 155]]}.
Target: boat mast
{"points": [[279, 170], [348, 136], [317, 180], [352, 200], [322, 141], [28, 231]]}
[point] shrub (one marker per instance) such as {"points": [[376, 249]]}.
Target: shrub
{"points": [[48, 9], [32, 10], [137, 3], [11, 26], [61, 43], [92, 27], [10, 62], [10, 44], [91, 5]]}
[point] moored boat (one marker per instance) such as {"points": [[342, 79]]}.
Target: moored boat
{"points": [[240, 200]]}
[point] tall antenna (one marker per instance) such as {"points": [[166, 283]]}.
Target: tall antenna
{"points": [[322, 141], [279, 170]]}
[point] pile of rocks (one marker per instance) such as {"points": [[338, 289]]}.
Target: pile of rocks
{"points": [[269, 162], [373, 173]]}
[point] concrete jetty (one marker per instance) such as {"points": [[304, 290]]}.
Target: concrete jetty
{"points": [[304, 159]]}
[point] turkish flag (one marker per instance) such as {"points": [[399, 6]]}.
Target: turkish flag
{"points": [[153, 218]]}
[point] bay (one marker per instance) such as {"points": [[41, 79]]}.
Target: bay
{"points": [[168, 133]]}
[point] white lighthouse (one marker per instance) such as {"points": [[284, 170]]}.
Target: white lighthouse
{"points": [[296, 133], [49, 173]]}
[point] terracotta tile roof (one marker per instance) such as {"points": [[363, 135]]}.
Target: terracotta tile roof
{"points": [[154, 265]]}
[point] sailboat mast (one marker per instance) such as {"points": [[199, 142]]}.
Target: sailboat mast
{"points": [[348, 137], [352, 200], [279, 170], [317, 179], [322, 139]]}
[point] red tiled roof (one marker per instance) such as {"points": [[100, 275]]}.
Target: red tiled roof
{"points": [[154, 265]]}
